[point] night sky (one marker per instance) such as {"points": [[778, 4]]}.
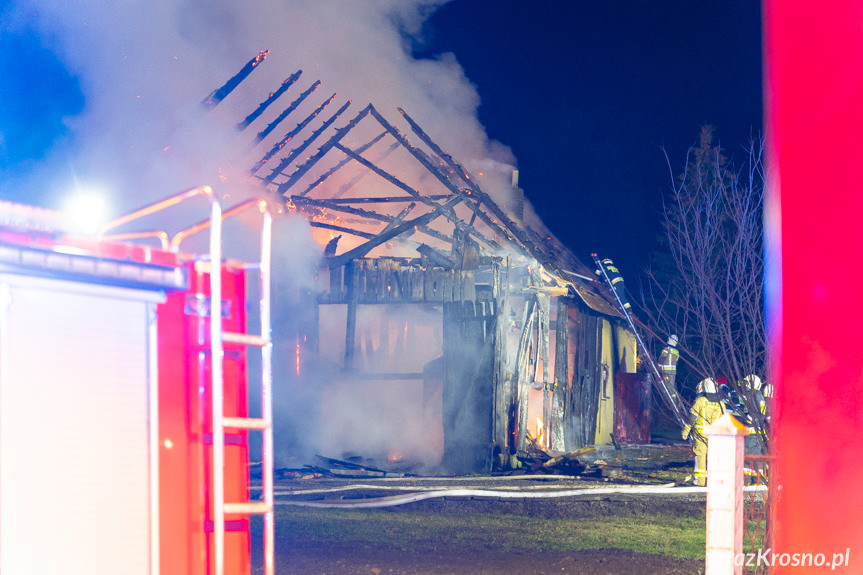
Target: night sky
{"points": [[587, 93]]}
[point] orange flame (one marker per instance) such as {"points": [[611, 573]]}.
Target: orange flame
{"points": [[261, 57]]}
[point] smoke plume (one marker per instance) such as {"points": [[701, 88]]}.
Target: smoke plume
{"points": [[144, 69]]}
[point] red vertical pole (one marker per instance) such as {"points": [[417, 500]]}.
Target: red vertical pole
{"points": [[814, 116]]}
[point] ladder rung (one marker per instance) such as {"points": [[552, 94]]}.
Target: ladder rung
{"points": [[244, 339], [244, 423], [254, 507]]}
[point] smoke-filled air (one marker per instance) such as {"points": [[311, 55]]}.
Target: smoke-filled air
{"points": [[144, 69], [152, 124]]}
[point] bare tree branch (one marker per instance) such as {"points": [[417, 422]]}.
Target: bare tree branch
{"points": [[708, 288]]}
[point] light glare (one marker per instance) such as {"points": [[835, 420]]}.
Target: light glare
{"points": [[86, 213]]}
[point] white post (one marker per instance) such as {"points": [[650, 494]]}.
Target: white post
{"points": [[725, 496]]}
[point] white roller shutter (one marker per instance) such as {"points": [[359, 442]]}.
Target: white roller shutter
{"points": [[75, 460]]}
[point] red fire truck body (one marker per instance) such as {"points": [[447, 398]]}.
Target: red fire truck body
{"points": [[185, 426], [107, 411]]}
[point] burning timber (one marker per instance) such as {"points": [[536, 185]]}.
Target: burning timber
{"points": [[286, 85], [498, 342], [220, 94]]}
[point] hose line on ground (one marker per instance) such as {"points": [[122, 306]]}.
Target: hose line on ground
{"points": [[394, 500]]}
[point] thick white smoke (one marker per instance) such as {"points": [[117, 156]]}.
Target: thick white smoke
{"points": [[144, 68]]}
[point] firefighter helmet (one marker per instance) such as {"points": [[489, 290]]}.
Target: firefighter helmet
{"points": [[752, 382], [706, 385], [672, 340], [768, 390]]}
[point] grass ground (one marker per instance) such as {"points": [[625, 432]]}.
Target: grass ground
{"points": [[674, 535]]}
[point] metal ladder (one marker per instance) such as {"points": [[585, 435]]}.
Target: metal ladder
{"points": [[669, 396], [218, 338], [264, 424]]}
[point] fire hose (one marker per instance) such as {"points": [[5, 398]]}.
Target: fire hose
{"points": [[391, 501]]}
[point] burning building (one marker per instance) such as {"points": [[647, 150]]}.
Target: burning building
{"points": [[444, 324]]}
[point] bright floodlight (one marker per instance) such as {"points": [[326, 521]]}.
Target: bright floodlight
{"points": [[86, 213]]}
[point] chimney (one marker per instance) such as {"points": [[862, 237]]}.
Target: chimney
{"points": [[517, 199]]}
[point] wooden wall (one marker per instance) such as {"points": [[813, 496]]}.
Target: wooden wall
{"points": [[490, 358]]}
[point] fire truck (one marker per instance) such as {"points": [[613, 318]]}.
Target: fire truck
{"points": [[124, 395]]}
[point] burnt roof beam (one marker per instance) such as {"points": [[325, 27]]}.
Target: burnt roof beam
{"points": [[220, 94], [291, 107], [384, 200], [356, 179], [471, 203], [341, 164], [400, 217], [308, 142], [290, 135], [532, 248], [301, 170], [299, 200], [270, 99], [351, 231], [381, 238], [331, 205], [444, 209]]}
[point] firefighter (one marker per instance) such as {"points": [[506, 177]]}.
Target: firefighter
{"points": [[668, 362], [733, 403], [752, 386], [767, 392], [616, 281], [706, 409]]}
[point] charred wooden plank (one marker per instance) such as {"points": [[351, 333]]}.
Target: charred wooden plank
{"points": [[342, 163], [435, 256], [502, 400], [301, 170], [399, 218], [561, 376], [467, 365], [351, 323], [381, 238], [347, 464], [543, 337], [385, 199], [277, 147], [347, 186], [522, 374], [299, 201], [444, 209], [441, 177], [336, 289], [335, 228], [270, 99], [294, 154], [468, 285], [478, 194], [219, 94], [286, 112]]}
